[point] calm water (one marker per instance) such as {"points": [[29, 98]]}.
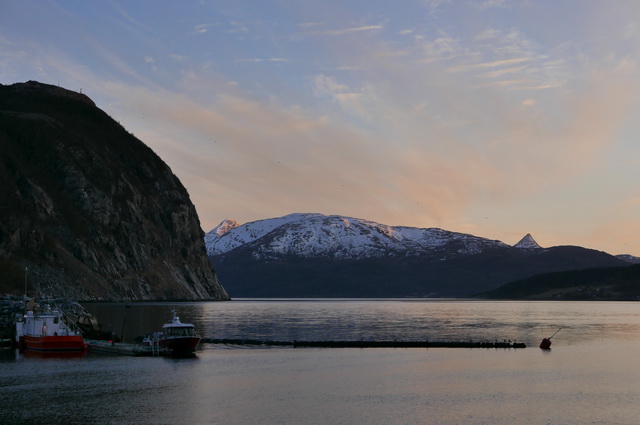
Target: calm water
{"points": [[591, 375]]}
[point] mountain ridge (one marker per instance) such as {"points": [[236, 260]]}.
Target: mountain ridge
{"points": [[308, 254], [312, 234]]}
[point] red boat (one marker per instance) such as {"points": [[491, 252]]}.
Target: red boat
{"points": [[47, 332], [180, 338]]}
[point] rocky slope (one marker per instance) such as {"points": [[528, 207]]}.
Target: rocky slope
{"points": [[313, 255], [88, 209]]}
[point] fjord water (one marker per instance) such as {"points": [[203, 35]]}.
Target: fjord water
{"points": [[590, 376]]}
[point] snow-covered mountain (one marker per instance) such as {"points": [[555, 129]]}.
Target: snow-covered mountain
{"points": [[315, 255], [338, 237]]}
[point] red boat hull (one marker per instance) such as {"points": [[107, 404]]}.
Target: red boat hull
{"points": [[54, 343]]}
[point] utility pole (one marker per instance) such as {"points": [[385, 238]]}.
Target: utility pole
{"points": [[25, 281]]}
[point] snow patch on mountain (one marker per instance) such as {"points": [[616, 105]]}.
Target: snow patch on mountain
{"points": [[317, 235], [225, 227], [244, 234], [632, 259]]}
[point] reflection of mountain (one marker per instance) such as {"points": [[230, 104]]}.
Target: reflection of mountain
{"points": [[313, 255], [90, 210]]}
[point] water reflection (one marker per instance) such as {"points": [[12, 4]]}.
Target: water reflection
{"points": [[128, 321], [589, 376], [288, 320]]}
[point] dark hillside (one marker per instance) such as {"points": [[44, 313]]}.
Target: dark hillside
{"points": [[89, 209], [603, 283], [395, 276]]}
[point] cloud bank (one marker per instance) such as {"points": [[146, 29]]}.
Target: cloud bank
{"points": [[431, 114]]}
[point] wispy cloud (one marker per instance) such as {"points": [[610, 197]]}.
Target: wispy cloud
{"points": [[433, 5], [482, 65], [441, 48], [123, 12], [501, 72], [261, 60], [488, 4], [237, 27], [112, 59], [309, 24], [202, 28], [348, 99], [352, 30], [250, 60]]}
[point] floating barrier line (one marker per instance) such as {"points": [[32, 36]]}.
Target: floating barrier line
{"points": [[367, 344]]}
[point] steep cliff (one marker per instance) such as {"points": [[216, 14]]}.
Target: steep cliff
{"points": [[88, 209]]}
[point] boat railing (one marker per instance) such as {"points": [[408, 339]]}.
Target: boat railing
{"points": [[68, 321], [152, 341], [71, 324], [155, 344]]}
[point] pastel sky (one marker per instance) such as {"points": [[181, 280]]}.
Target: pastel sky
{"points": [[496, 118]]}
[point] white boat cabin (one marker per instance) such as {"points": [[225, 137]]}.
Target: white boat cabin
{"points": [[178, 329], [46, 324]]}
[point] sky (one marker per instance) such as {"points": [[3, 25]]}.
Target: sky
{"points": [[496, 118]]}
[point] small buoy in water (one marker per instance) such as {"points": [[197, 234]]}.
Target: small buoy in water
{"points": [[546, 344]]}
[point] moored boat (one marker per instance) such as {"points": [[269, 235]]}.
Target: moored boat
{"points": [[180, 338], [47, 332], [122, 348]]}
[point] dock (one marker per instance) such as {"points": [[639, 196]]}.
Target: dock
{"points": [[121, 348], [368, 344]]}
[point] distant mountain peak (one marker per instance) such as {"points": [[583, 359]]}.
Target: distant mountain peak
{"points": [[225, 227], [527, 242]]}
